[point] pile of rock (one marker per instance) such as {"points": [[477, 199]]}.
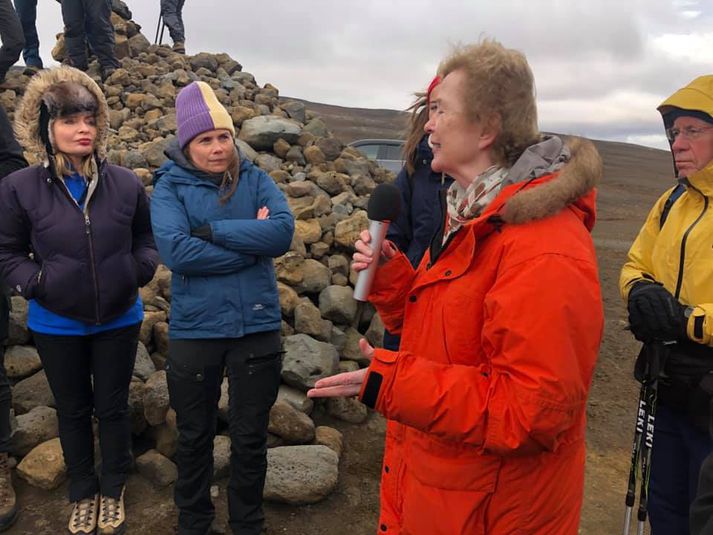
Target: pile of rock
{"points": [[327, 187]]}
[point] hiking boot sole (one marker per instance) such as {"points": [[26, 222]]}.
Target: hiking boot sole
{"points": [[9, 522]]}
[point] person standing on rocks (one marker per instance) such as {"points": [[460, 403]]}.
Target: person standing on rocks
{"points": [[27, 12], [667, 283], [500, 323], [219, 221], [75, 240], [11, 36], [420, 189], [172, 14], [78, 15], [11, 159]]}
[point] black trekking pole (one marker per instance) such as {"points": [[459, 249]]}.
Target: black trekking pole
{"points": [[163, 27], [652, 360], [647, 443], [638, 433], [159, 27]]}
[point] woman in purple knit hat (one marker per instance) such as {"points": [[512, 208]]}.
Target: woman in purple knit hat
{"points": [[218, 222]]}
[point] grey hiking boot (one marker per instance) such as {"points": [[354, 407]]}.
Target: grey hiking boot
{"points": [[83, 520], [179, 47], [112, 517], [8, 502]]}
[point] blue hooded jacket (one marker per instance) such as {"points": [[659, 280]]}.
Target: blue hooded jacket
{"points": [[226, 287]]}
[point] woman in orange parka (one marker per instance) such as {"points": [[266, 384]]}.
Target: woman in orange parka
{"points": [[500, 323]]}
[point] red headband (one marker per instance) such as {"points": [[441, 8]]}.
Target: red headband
{"points": [[436, 80]]}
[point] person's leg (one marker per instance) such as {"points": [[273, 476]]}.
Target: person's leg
{"points": [[8, 501], [98, 14], [27, 12], [194, 371], [668, 487], [66, 360], [75, 40], [699, 445], [113, 356], [13, 41], [254, 365], [179, 15], [173, 19]]}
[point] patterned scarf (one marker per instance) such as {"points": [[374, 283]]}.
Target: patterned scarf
{"points": [[468, 203]]}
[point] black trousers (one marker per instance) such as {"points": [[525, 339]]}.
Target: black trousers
{"points": [[172, 13], [11, 36], [27, 12], [71, 364], [195, 370], [80, 15]]}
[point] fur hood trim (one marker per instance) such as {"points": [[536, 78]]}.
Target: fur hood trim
{"points": [[575, 179], [57, 87]]}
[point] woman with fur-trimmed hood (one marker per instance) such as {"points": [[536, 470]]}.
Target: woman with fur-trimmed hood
{"points": [[76, 242], [500, 323]]}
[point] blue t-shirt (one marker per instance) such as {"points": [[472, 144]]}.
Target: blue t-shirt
{"points": [[42, 320]]}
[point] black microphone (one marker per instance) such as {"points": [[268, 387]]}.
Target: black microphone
{"points": [[383, 208]]}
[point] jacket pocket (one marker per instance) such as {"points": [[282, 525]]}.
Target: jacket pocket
{"points": [[181, 371], [442, 495], [456, 472]]}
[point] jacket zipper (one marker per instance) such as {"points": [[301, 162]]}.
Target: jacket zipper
{"points": [[682, 256], [87, 224]]}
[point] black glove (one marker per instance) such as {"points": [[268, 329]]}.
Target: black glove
{"points": [[203, 232], [655, 314]]}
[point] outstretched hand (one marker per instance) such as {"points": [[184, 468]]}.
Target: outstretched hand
{"points": [[343, 384]]}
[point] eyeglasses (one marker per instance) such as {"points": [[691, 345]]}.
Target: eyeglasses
{"points": [[688, 132]]}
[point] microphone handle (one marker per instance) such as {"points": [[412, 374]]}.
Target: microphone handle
{"points": [[377, 230]]}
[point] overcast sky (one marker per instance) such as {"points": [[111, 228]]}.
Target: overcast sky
{"points": [[601, 66]]}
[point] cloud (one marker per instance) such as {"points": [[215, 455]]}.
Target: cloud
{"points": [[600, 67]]}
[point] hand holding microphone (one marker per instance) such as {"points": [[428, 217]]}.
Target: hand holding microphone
{"points": [[383, 207]]}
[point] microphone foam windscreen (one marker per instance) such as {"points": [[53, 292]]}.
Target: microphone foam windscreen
{"points": [[384, 203]]}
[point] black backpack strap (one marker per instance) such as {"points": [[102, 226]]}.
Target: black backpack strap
{"points": [[675, 194]]}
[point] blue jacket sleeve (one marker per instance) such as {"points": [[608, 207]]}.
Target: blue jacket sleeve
{"points": [[181, 252], [401, 231], [267, 237]]}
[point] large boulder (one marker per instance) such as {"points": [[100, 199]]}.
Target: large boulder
{"points": [[300, 474], [32, 392], [44, 466], [307, 360], [21, 361], [156, 401], [33, 428], [157, 468], [292, 425], [262, 132]]}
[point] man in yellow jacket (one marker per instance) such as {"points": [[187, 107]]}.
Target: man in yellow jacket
{"points": [[668, 284]]}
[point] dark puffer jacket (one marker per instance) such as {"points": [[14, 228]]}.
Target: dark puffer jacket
{"points": [[420, 214], [420, 206], [11, 159], [83, 264]]}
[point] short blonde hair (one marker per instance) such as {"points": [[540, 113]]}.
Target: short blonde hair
{"points": [[500, 90]]}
